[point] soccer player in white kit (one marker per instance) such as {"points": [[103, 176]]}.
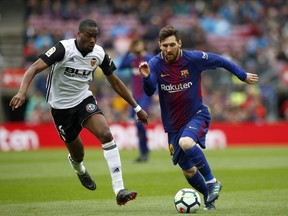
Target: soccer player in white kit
{"points": [[73, 105]]}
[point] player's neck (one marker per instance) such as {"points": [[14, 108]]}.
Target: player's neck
{"points": [[84, 53]]}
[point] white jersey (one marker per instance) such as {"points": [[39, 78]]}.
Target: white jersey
{"points": [[68, 81]]}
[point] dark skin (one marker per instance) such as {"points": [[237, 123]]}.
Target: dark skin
{"points": [[96, 123]]}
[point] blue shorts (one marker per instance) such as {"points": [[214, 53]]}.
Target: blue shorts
{"points": [[196, 129]]}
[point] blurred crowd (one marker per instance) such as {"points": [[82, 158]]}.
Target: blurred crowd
{"points": [[254, 34]]}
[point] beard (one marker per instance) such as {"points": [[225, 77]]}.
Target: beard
{"points": [[172, 57]]}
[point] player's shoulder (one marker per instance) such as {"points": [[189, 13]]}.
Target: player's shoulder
{"points": [[195, 54], [99, 50], [149, 55], [155, 59], [68, 42]]}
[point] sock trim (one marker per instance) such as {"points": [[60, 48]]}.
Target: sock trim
{"points": [[109, 145]]}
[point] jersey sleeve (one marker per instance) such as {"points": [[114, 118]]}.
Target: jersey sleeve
{"points": [[107, 66], [54, 54], [205, 61]]}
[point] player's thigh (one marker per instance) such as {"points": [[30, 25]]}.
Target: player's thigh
{"points": [[196, 130], [98, 125]]}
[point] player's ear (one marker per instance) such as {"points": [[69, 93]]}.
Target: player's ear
{"points": [[159, 44], [180, 43]]}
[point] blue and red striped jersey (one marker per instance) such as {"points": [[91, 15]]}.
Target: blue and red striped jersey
{"points": [[132, 61], [179, 84]]}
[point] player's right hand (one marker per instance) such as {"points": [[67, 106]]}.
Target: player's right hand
{"points": [[17, 101], [144, 69]]}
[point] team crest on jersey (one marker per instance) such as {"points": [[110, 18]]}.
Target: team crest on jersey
{"points": [[184, 73], [93, 62], [50, 51], [90, 107]]}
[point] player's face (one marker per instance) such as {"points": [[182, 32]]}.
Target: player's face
{"points": [[87, 39], [139, 47], [170, 48]]}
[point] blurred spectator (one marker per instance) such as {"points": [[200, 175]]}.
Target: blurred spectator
{"points": [[131, 60], [1, 61], [43, 39], [269, 99], [37, 110], [30, 52], [253, 33], [284, 110]]}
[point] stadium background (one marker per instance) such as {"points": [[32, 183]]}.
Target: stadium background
{"points": [[254, 34]]}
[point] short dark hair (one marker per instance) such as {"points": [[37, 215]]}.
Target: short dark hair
{"points": [[87, 23], [136, 41], [168, 31]]}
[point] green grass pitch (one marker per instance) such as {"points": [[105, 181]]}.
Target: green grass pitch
{"points": [[255, 182]]}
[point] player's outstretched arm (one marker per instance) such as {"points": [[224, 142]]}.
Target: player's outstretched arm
{"points": [[19, 99], [251, 78]]}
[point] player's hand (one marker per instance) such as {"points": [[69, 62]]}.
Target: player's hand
{"points": [[251, 78], [144, 69], [17, 101], [142, 116]]}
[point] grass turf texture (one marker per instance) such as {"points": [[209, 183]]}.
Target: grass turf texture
{"points": [[255, 182]]}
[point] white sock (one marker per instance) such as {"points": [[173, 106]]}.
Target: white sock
{"points": [[112, 157], [211, 181], [78, 167]]}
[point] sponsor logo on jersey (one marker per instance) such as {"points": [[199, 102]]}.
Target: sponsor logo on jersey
{"points": [[191, 127], [93, 62], [176, 88], [90, 107], [50, 51], [72, 72], [164, 75]]}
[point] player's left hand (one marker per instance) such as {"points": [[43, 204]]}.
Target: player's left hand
{"points": [[251, 78], [142, 116]]}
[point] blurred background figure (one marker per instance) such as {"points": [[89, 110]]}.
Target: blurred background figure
{"points": [[254, 34], [37, 110], [131, 60]]}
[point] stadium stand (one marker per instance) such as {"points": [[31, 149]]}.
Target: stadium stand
{"points": [[252, 33]]}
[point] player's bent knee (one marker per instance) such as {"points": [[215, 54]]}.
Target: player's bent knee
{"points": [[106, 137], [186, 143], [189, 173]]}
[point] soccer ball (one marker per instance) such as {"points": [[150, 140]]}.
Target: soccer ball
{"points": [[187, 200]]}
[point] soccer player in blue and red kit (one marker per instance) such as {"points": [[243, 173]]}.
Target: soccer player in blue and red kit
{"points": [[132, 59], [177, 74]]}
